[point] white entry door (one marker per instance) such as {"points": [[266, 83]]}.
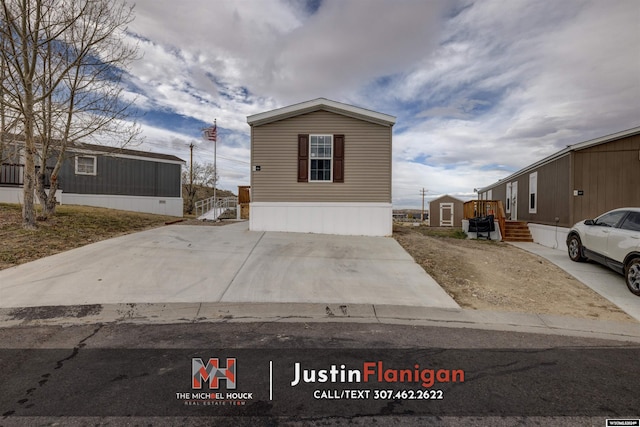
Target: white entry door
{"points": [[446, 214], [514, 200]]}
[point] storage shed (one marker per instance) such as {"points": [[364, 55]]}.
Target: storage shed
{"points": [[446, 211]]}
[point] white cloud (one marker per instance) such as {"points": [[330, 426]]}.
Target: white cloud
{"points": [[477, 95], [348, 44]]}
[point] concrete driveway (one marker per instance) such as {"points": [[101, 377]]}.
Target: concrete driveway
{"points": [[181, 263], [599, 278]]}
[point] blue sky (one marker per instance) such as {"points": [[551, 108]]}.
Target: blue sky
{"points": [[480, 89]]}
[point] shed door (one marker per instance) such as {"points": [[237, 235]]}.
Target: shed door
{"points": [[446, 214]]}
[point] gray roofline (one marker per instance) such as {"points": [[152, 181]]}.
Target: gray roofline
{"points": [[126, 153], [320, 104], [113, 151], [575, 147]]}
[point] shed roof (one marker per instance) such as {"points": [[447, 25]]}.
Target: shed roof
{"points": [[575, 147], [320, 104], [446, 196]]}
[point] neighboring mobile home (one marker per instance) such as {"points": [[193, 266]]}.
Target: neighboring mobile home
{"points": [[580, 182], [321, 167], [95, 175], [446, 211]]}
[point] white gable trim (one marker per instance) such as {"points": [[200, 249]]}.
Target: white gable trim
{"points": [[321, 104]]}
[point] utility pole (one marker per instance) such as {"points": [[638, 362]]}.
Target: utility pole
{"points": [[214, 136], [423, 192], [191, 167]]}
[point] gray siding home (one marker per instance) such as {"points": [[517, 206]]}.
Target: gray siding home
{"points": [[95, 175], [580, 182], [322, 167], [446, 211]]}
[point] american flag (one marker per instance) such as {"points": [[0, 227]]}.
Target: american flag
{"points": [[212, 133]]}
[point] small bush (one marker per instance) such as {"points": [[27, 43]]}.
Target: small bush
{"points": [[443, 232], [459, 234]]}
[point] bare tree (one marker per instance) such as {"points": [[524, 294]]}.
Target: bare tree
{"points": [[197, 175], [64, 63], [8, 122]]}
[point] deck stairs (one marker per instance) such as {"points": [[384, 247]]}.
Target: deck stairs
{"points": [[212, 210], [516, 231]]}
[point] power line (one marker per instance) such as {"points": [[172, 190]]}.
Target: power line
{"points": [[234, 160]]}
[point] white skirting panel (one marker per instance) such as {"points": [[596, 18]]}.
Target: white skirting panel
{"points": [[359, 219], [550, 236], [16, 195], [11, 195], [156, 205]]}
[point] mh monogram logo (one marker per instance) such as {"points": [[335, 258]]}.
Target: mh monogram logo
{"points": [[212, 372]]}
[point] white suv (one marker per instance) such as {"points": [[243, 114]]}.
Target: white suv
{"points": [[613, 240]]}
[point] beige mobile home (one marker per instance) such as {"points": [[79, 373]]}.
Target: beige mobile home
{"points": [[321, 167], [579, 182]]}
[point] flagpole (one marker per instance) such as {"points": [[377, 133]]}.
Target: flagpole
{"points": [[215, 169]]}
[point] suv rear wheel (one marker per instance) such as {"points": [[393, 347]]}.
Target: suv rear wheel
{"points": [[632, 275], [574, 245]]}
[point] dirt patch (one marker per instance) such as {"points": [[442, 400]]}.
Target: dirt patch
{"points": [[489, 275]]}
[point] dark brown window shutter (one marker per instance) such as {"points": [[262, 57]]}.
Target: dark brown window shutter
{"points": [[338, 158], [303, 158]]}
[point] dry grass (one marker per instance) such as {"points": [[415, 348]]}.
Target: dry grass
{"points": [[71, 227]]}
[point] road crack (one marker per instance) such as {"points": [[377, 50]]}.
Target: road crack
{"points": [[45, 377]]}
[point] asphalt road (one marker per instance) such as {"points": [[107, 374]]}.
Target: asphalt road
{"points": [[125, 374]]}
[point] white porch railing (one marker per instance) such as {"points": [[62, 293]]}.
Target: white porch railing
{"points": [[211, 210]]}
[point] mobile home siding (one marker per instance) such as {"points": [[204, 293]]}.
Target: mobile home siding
{"points": [[608, 175], [367, 160], [551, 195], [553, 186], [500, 193], [123, 176], [552, 201]]}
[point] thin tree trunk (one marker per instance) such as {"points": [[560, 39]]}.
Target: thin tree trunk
{"points": [[28, 207]]}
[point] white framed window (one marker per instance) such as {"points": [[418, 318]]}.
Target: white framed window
{"points": [[533, 192], [86, 165], [320, 158], [507, 202]]}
